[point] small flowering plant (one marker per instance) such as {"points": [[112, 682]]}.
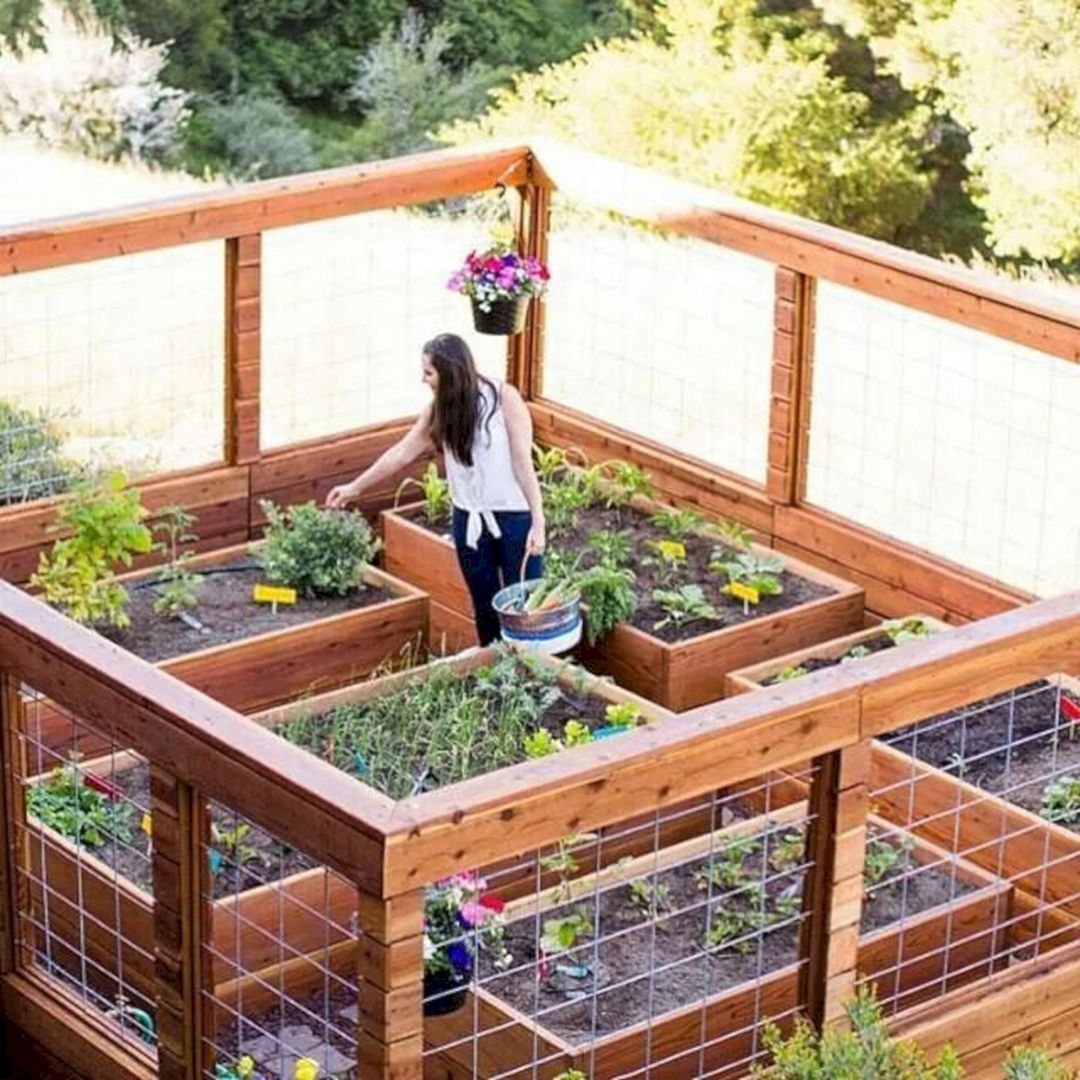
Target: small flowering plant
{"points": [[499, 273], [461, 920]]}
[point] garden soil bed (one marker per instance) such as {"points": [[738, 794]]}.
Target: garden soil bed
{"points": [[948, 917]]}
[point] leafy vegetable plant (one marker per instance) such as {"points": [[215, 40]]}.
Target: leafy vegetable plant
{"points": [[907, 630], [624, 482], [317, 552], [178, 586], [678, 524], [758, 572], [561, 934], [790, 673], [683, 605], [231, 843], [650, 898], [623, 714], [435, 491], [883, 856], [608, 593], [78, 574], [1061, 801], [612, 548], [80, 813]]}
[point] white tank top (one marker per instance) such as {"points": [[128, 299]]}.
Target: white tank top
{"points": [[489, 484]]}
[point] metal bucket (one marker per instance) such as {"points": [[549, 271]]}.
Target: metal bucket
{"points": [[552, 631]]}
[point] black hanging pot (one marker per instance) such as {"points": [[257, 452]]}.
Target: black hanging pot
{"points": [[444, 992], [505, 316]]}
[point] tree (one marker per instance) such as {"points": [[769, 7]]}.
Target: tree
{"points": [[717, 97], [1011, 85]]}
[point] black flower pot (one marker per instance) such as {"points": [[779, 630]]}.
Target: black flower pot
{"points": [[505, 316], [443, 993]]}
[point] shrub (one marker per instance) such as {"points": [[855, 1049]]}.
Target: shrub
{"points": [[317, 552], [866, 1051], [31, 464], [78, 574], [1030, 1063]]}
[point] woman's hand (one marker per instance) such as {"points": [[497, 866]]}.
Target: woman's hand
{"points": [[340, 496], [536, 541]]}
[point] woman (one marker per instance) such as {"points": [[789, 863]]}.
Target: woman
{"points": [[485, 434]]}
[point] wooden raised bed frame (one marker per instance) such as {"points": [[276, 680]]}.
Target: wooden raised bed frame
{"points": [[678, 675], [243, 928], [1039, 858], [271, 667], [912, 960]]}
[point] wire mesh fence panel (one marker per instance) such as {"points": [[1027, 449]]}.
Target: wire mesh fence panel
{"points": [[665, 336], [118, 362], [947, 438], [82, 847], [991, 793], [279, 984], [347, 305], [656, 947]]}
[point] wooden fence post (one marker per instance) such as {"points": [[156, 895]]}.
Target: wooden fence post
{"points": [[525, 359], [13, 835], [832, 896], [243, 346], [178, 922], [789, 407], [391, 971]]}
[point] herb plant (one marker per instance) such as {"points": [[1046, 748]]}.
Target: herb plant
{"points": [[317, 552], [613, 549], [882, 858], [608, 594], [435, 491], [683, 605], [69, 805], [678, 524], [178, 587], [649, 897], [624, 482], [1061, 801], [32, 465], [863, 1050], [78, 574]]}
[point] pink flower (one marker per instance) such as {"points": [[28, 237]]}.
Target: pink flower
{"points": [[475, 914]]}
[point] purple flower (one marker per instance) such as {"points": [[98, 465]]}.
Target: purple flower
{"points": [[459, 956]]}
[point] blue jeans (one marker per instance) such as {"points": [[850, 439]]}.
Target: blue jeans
{"points": [[494, 563]]}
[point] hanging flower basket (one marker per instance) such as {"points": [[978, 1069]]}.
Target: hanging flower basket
{"points": [[500, 283], [501, 316]]}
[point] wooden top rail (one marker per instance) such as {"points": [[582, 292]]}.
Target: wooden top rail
{"points": [[307, 802], [476, 822], [1039, 318], [252, 208]]}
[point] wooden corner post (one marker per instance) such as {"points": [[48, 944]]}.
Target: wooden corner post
{"points": [[525, 359], [832, 895], [243, 347], [391, 972], [179, 963], [789, 403], [12, 821]]}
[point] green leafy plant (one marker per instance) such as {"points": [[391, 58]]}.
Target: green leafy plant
{"points": [[727, 868], [624, 714], [612, 548], [788, 851], [678, 524], [572, 1074], [863, 1051], [561, 934], [733, 536], [1031, 1063], [231, 843], [66, 803], [1061, 801], [78, 574], [608, 595], [435, 491], [317, 552], [669, 558], [625, 481], [907, 630], [883, 856], [563, 862], [649, 897], [758, 572], [32, 465], [683, 605], [563, 500], [542, 743], [856, 652], [178, 587], [730, 929], [550, 463], [790, 673], [575, 733]]}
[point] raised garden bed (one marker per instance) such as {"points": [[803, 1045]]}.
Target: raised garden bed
{"points": [[668, 995], [826, 654], [257, 658], [245, 915], [681, 664]]}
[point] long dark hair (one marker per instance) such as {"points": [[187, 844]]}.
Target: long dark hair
{"points": [[459, 408]]}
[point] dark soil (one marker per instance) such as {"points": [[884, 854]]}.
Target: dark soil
{"points": [[797, 590], [267, 860], [647, 967], [876, 644], [276, 1039], [1013, 744], [227, 612]]}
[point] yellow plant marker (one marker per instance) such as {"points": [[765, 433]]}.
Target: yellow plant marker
{"points": [[273, 595], [670, 549], [746, 593], [147, 825]]}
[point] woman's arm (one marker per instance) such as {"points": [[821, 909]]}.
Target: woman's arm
{"points": [[388, 464], [520, 430]]}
